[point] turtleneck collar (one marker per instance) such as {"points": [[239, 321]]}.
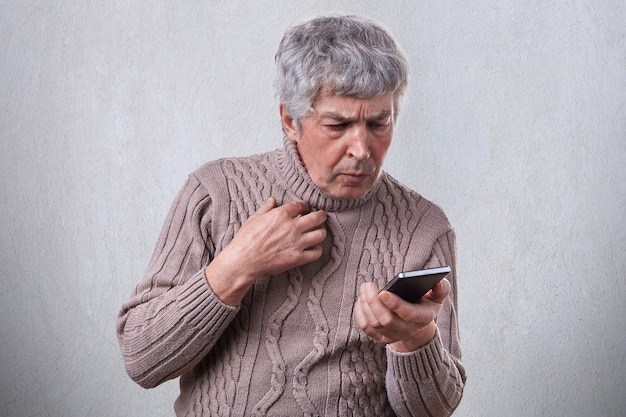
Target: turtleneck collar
{"points": [[298, 181]]}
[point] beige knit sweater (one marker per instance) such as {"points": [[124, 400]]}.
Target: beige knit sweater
{"points": [[292, 347]]}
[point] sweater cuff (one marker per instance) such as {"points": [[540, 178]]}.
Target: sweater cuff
{"points": [[203, 307], [420, 364]]}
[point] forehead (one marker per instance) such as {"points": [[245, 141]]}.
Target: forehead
{"points": [[337, 106]]}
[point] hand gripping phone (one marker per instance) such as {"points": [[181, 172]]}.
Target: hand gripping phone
{"points": [[412, 285]]}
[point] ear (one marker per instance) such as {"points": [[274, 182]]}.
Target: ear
{"points": [[289, 125]]}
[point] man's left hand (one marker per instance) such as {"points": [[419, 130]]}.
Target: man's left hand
{"points": [[391, 320]]}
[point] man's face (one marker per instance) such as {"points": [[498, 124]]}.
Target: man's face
{"points": [[343, 142]]}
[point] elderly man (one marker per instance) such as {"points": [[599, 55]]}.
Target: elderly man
{"points": [[262, 292]]}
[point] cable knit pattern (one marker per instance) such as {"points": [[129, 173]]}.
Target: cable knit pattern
{"points": [[292, 347], [273, 332]]}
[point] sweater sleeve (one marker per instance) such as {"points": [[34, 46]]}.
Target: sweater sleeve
{"points": [[173, 319], [430, 381]]}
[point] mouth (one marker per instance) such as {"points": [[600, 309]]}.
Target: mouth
{"points": [[355, 177]]}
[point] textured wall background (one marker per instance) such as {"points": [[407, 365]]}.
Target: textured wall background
{"points": [[515, 123]]}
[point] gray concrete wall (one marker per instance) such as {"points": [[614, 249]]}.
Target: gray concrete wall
{"points": [[515, 123]]}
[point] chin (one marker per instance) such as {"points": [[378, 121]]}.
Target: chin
{"points": [[347, 191]]}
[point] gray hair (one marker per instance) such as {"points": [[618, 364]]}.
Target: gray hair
{"points": [[343, 55]]}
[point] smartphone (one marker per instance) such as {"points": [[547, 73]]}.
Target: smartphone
{"points": [[412, 285]]}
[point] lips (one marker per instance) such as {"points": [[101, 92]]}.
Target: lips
{"points": [[355, 177]]}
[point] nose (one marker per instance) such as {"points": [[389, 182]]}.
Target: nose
{"points": [[359, 147]]}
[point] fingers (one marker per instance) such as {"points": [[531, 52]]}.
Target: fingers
{"points": [[306, 219], [432, 302], [299, 210], [295, 208], [376, 314], [372, 316], [292, 209], [309, 224], [277, 238], [388, 319], [440, 292], [312, 220], [267, 206]]}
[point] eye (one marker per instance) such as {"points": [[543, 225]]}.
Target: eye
{"points": [[337, 126], [377, 125]]}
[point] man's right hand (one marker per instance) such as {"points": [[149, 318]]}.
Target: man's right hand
{"points": [[273, 240]]}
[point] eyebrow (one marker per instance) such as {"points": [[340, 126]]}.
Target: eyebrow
{"points": [[385, 114]]}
